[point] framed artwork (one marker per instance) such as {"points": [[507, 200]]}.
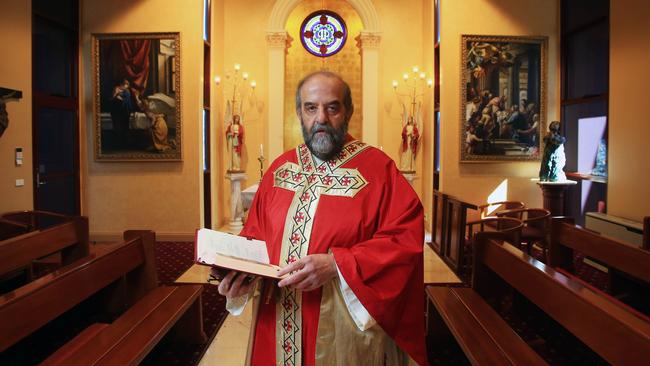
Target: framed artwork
{"points": [[503, 98], [137, 96]]}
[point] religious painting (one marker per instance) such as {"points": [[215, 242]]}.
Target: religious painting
{"points": [[137, 97], [503, 98]]}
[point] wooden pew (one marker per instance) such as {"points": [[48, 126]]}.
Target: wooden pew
{"points": [[567, 238], [9, 229], [452, 231], [36, 220], [439, 220], [483, 336], [69, 238], [620, 337], [128, 272]]}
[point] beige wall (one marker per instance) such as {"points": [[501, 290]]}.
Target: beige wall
{"points": [[16, 73], [627, 192], [163, 196], [475, 182]]}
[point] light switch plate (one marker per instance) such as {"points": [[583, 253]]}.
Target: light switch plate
{"points": [[20, 182]]}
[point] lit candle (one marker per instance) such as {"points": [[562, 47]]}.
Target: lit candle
{"points": [[217, 80], [405, 76], [253, 84], [394, 84], [429, 82], [415, 69], [237, 67], [245, 75], [261, 150], [422, 75]]}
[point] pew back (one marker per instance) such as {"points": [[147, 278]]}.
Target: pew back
{"points": [[619, 336], [566, 238], [70, 238], [29, 307]]}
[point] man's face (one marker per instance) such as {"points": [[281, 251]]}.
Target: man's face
{"points": [[323, 116]]}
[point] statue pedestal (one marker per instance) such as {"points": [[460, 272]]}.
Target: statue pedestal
{"points": [[236, 211], [410, 177], [554, 195]]}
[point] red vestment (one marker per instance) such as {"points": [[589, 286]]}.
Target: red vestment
{"points": [[376, 236]]}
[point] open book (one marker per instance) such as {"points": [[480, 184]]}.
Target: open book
{"points": [[232, 252]]}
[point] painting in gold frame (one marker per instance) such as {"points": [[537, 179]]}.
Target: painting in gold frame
{"points": [[137, 103], [503, 97]]}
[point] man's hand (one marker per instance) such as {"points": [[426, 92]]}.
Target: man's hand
{"points": [[234, 284], [311, 272]]}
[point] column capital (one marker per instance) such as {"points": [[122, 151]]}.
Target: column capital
{"points": [[280, 39], [368, 40]]}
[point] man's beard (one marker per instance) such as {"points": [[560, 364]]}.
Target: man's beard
{"points": [[324, 145]]}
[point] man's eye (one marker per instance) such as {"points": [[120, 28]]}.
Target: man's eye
{"points": [[311, 108], [333, 109]]}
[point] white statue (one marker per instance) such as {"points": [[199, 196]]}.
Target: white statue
{"points": [[409, 148]]}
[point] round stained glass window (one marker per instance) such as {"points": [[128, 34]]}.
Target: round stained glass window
{"points": [[323, 33]]}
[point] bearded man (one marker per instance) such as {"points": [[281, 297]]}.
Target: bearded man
{"points": [[348, 230]]}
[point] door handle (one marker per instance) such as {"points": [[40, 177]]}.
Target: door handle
{"points": [[39, 182]]}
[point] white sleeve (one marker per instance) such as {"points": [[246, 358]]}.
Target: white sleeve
{"points": [[357, 311], [236, 305]]}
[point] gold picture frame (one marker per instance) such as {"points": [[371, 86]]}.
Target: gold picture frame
{"points": [[503, 97], [137, 96]]}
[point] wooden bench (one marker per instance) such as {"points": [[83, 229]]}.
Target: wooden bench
{"points": [[484, 337], [448, 235], [628, 265], [617, 335], [69, 239], [126, 275]]}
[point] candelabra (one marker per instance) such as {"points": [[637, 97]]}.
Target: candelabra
{"points": [[242, 97], [409, 95]]}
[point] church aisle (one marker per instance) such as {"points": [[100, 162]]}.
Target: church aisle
{"points": [[229, 345]]}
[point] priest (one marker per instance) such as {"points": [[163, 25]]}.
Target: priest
{"points": [[348, 230]]}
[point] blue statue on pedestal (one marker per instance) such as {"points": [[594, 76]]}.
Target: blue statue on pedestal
{"points": [[601, 160], [553, 159]]}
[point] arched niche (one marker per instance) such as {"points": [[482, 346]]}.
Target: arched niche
{"points": [[278, 41]]}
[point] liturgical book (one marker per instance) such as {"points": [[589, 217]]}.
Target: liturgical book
{"points": [[232, 252]]}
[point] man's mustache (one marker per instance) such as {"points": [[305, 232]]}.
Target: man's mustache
{"points": [[321, 128]]}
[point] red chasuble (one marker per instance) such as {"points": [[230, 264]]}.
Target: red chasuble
{"points": [[361, 209]]}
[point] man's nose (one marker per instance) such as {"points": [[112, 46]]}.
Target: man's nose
{"points": [[321, 116]]}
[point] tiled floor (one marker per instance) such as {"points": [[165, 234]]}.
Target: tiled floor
{"points": [[230, 344]]}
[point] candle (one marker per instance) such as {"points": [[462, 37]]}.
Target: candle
{"points": [[237, 67], [394, 84], [253, 84], [405, 76], [261, 150], [245, 75], [217, 80], [415, 69]]}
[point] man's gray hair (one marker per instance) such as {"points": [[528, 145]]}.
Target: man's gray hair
{"points": [[347, 93]]}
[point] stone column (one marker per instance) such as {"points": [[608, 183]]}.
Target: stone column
{"points": [[368, 42], [278, 43], [236, 211], [410, 177]]}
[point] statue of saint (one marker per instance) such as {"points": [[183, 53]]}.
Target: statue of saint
{"points": [[410, 139], [235, 140], [553, 159]]}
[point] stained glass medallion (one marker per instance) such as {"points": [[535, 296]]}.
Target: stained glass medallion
{"points": [[323, 33]]}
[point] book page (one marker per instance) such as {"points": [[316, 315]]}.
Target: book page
{"points": [[211, 242]]}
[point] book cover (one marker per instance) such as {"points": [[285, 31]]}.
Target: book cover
{"points": [[233, 252]]}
